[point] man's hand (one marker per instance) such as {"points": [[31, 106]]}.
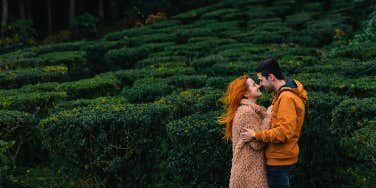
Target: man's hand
{"points": [[247, 134], [269, 111]]}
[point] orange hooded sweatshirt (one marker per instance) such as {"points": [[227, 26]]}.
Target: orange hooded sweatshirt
{"points": [[287, 120]]}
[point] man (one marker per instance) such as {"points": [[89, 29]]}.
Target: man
{"points": [[288, 112]]}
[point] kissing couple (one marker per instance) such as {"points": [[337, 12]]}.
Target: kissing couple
{"points": [[264, 140]]}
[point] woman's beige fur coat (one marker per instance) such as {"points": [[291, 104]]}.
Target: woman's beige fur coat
{"points": [[248, 160]]}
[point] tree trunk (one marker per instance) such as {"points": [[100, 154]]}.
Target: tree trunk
{"points": [[28, 9], [22, 9], [49, 12], [4, 17], [72, 10], [101, 9]]}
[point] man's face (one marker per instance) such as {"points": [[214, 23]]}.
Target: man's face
{"points": [[265, 83]]}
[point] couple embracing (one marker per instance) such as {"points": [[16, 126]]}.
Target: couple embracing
{"points": [[264, 141]]}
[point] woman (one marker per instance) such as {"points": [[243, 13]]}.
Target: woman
{"points": [[248, 163]]}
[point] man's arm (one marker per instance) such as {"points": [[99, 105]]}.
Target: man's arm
{"points": [[285, 123]]}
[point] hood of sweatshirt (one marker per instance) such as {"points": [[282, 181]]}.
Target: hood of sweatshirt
{"points": [[296, 87]]}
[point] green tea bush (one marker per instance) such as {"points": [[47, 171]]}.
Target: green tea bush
{"points": [[204, 64], [187, 81], [132, 32], [219, 82], [34, 102], [217, 14], [117, 143], [232, 68], [11, 64], [350, 115], [76, 62], [317, 136], [100, 85], [360, 149], [147, 90], [95, 54], [17, 78], [126, 57], [20, 129], [363, 51], [199, 156], [192, 101], [158, 60]]}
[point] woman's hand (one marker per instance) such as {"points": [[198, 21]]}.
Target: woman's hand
{"points": [[247, 134]]}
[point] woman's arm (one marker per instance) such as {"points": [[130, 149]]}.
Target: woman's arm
{"points": [[250, 120]]}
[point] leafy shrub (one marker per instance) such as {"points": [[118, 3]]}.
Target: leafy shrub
{"points": [[363, 51], [35, 102], [316, 136], [95, 55], [204, 64], [20, 30], [192, 101], [100, 85], [69, 105], [199, 156], [65, 58], [147, 89], [20, 130], [360, 149], [6, 166], [75, 61], [85, 25], [126, 57], [219, 82], [361, 87], [299, 20], [117, 143], [232, 68], [158, 60], [187, 81], [11, 64], [20, 77], [350, 115]]}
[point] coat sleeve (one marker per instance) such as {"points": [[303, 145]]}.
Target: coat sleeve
{"points": [[250, 120], [285, 123]]}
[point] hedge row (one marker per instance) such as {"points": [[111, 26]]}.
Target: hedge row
{"points": [[149, 89], [35, 102], [21, 128], [20, 77], [191, 101], [100, 85], [199, 156], [119, 144], [362, 87]]}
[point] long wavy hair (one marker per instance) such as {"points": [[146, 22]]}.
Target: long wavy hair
{"points": [[231, 100]]}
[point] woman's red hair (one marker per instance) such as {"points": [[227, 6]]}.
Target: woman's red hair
{"points": [[231, 100]]}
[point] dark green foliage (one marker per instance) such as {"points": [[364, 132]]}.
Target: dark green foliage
{"points": [[21, 130], [95, 54], [350, 115], [199, 156], [33, 102], [126, 57], [100, 85], [99, 132], [317, 143], [120, 142], [193, 101], [147, 90], [17, 78]]}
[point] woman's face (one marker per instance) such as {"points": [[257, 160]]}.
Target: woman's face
{"points": [[253, 89]]}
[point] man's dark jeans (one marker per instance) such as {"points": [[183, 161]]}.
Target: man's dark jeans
{"points": [[278, 176]]}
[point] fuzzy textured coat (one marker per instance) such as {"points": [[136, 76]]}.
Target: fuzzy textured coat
{"points": [[248, 160]]}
